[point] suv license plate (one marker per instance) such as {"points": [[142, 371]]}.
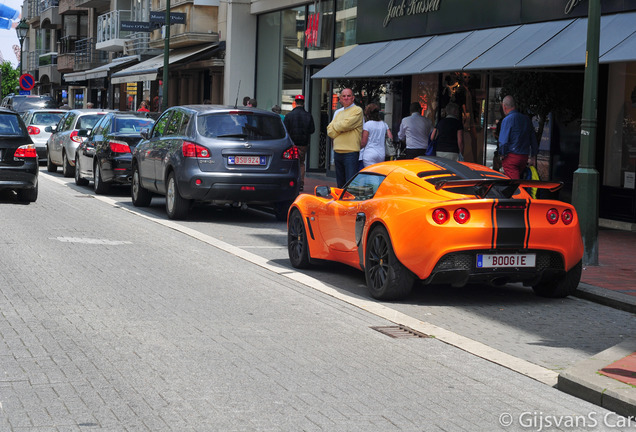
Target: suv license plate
{"points": [[506, 260], [246, 160]]}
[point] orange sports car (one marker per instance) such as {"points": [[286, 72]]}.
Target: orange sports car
{"points": [[439, 222]]}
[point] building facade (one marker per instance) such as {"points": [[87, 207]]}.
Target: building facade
{"points": [[436, 51]]}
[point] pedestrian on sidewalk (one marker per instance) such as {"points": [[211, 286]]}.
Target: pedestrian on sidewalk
{"points": [[346, 132], [517, 140], [300, 126], [374, 134], [415, 130]]}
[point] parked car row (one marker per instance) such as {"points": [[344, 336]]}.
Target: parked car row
{"points": [[204, 153]]}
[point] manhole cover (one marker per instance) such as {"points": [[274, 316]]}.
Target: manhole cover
{"points": [[400, 332]]}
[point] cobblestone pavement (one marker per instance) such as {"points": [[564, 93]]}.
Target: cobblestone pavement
{"points": [[111, 322]]}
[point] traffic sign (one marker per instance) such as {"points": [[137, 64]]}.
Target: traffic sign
{"points": [[27, 82]]}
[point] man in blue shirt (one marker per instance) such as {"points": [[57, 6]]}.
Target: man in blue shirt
{"points": [[517, 140]]}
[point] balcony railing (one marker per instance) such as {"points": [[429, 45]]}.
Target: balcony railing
{"points": [[108, 25], [139, 44], [86, 56], [37, 7], [66, 44]]}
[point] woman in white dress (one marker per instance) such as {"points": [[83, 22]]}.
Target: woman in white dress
{"points": [[374, 132]]}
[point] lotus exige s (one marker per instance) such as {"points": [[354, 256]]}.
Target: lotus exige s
{"points": [[440, 222]]}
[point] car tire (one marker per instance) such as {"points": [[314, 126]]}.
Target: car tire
{"points": [[80, 181], [67, 169], [98, 183], [561, 286], [176, 206], [281, 209], [297, 246], [28, 195], [50, 166], [387, 278], [141, 196]]}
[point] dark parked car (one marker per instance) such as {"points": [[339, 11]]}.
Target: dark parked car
{"points": [[105, 156], [22, 103], [18, 157], [216, 154]]}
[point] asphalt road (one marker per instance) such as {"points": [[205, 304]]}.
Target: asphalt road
{"points": [[116, 319]]}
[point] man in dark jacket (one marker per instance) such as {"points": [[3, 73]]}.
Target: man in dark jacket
{"points": [[300, 125]]}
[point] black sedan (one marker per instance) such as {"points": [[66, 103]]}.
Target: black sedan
{"points": [[216, 154], [18, 157], [105, 156]]}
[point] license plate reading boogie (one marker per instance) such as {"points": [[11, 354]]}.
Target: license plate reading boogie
{"points": [[247, 160], [506, 260]]}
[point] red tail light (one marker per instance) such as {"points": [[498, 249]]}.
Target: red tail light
{"points": [[190, 149], [567, 216], [33, 130], [552, 216], [291, 153], [74, 137], [461, 215], [26, 151], [440, 216], [119, 147]]}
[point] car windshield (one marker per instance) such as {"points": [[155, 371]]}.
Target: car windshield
{"points": [[132, 125], [88, 121], [241, 124], [26, 104], [47, 119], [9, 125]]}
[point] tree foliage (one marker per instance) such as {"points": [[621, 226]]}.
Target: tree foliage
{"points": [[365, 91], [542, 93], [9, 78]]}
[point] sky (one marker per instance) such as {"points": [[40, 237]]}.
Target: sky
{"points": [[8, 38]]}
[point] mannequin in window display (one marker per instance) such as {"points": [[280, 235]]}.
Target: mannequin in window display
{"points": [[466, 102]]}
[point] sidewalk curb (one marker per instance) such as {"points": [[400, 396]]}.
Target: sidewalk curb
{"points": [[606, 297], [583, 381]]}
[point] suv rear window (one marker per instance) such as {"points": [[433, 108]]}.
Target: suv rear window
{"points": [[10, 125], [27, 103], [244, 124]]}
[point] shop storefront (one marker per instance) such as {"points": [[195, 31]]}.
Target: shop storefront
{"points": [[434, 52]]}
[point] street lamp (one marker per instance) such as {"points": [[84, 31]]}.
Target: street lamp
{"points": [[22, 29]]}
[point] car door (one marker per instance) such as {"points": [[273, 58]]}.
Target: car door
{"points": [[148, 152], [170, 150], [338, 222], [56, 140]]}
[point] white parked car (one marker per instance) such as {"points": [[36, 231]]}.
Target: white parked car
{"points": [[36, 120], [64, 140]]}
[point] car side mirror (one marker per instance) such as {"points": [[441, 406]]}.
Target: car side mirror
{"points": [[322, 191], [50, 129], [83, 132], [144, 133]]}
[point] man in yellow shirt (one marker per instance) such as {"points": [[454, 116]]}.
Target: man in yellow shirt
{"points": [[346, 132]]}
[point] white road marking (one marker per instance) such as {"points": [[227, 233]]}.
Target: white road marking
{"points": [[479, 349]]}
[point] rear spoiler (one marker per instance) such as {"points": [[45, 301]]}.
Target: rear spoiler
{"points": [[507, 187]]}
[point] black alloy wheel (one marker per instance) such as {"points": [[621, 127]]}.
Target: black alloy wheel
{"points": [[176, 206], [67, 169], [297, 246], [79, 180], [387, 278], [98, 183], [50, 166]]}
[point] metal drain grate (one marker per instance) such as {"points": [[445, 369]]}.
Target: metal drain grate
{"points": [[400, 332]]}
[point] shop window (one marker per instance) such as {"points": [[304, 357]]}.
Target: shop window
{"points": [[620, 149], [320, 29]]}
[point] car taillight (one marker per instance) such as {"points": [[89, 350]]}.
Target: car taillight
{"points": [[119, 147], [461, 215], [33, 130], [440, 216], [191, 149], [291, 153], [74, 137], [567, 216], [26, 151], [552, 216]]}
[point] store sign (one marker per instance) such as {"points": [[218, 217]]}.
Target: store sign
{"points": [[400, 8], [312, 34], [571, 4], [134, 26]]}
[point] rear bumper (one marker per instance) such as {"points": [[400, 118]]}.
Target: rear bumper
{"points": [[19, 177], [460, 268], [257, 188]]}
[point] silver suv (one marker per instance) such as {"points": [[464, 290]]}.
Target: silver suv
{"points": [[64, 140]]}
